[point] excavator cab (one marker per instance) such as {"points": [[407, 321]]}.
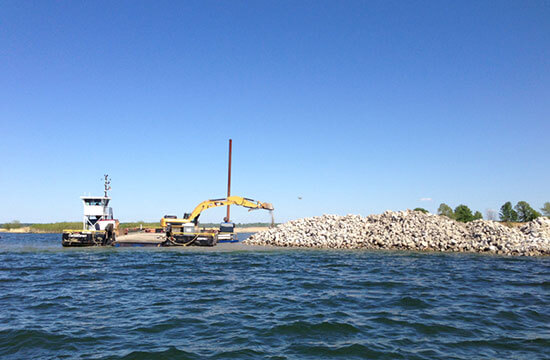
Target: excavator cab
{"points": [[227, 227], [227, 231]]}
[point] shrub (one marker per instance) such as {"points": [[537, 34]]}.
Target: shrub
{"points": [[446, 210], [15, 224]]}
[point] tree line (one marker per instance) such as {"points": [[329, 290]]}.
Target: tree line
{"points": [[522, 212], [461, 213], [77, 225], [15, 224]]}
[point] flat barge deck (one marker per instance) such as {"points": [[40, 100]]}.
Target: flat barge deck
{"points": [[152, 239], [140, 239]]}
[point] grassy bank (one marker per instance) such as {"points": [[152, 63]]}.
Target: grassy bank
{"points": [[239, 225], [55, 227], [58, 227], [143, 224]]}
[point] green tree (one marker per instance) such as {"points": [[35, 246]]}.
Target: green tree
{"points": [[422, 210], [546, 209], [463, 213], [507, 213], [477, 215], [525, 211], [445, 210]]}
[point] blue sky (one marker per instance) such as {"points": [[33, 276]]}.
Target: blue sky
{"points": [[355, 106]]}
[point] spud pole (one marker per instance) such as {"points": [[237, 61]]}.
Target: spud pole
{"points": [[229, 179]]}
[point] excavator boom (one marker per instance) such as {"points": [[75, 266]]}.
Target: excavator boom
{"points": [[231, 200]]}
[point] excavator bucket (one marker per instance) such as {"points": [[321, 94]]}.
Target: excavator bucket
{"points": [[261, 205], [267, 206]]}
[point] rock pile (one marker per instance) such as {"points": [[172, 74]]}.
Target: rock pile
{"points": [[538, 228], [409, 230]]}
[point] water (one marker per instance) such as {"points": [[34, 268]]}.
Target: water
{"points": [[149, 303]]}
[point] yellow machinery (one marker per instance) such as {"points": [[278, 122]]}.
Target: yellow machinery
{"points": [[184, 231]]}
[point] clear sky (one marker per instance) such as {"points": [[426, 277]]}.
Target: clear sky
{"points": [[354, 106]]}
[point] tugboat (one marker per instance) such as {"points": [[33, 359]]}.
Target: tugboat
{"points": [[99, 227]]}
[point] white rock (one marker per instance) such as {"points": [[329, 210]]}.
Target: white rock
{"points": [[408, 230]]}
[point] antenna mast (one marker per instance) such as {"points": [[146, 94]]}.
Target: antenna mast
{"points": [[107, 184]]}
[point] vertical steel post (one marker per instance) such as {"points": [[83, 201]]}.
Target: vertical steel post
{"points": [[229, 179]]}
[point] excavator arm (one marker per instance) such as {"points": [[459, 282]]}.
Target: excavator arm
{"points": [[208, 204]]}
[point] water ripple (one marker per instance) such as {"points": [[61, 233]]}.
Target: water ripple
{"points": [[278, 304]]}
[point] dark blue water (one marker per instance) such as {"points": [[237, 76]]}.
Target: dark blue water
{"points": [[149, 303]]}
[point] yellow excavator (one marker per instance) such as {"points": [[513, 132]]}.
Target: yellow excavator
{"points": [[185, 231]]}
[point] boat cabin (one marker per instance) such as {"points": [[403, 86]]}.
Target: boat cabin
{"points": [[97, 212]]}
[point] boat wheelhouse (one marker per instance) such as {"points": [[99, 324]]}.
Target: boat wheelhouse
{"points": [[97, 212]]}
